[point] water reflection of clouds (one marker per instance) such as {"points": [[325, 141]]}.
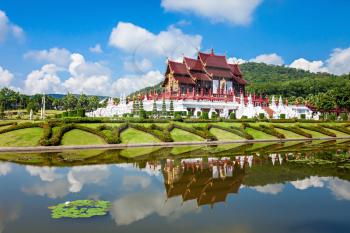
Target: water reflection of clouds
{"points": [[57, 185], [339, 188], [5, 168], [137, 206], [269, 188], [8, 214], [131, 182]]}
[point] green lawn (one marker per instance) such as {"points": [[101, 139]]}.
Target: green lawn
{"points": [[133, 136], [259, 134], [338, 133], [223, 135], [183, 136], [315, 134], [79, 137], [289, 134], [22, 137]]}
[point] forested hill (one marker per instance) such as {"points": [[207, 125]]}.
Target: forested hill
{"points": [[281, 80]]}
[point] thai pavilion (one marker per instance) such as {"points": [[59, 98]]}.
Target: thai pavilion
{"points": [[205, 84]]}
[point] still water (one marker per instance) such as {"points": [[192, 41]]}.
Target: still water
{"points": [[296, 187]]}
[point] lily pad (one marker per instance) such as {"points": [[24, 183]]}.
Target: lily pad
{"points": [[80, 209]]}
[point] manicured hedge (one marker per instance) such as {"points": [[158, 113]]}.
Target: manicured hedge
{"points": [[266, 129], [294, 129], [58, 134], [7, 123], [47, 133], [337, 128], [20, 126], [202, 133], [162, 135], [283, 120], [107, 120], [234, 130], [318, 129]]}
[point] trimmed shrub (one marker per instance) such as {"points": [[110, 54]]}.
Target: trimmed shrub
{"points": [[7, 123], [205, 115], [244, 117], [80, 113], [261, 116], [318, 129], [344, 116], [233, 116], [294, 129], [282, 116], [302, 116], [332, 117]]}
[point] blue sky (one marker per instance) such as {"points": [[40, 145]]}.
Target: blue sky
{"points": [[47, 46]]}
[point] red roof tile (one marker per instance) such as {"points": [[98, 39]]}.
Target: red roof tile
{"points": [[213, 60], [200, 76], [235, 69], [178, 68], [184, 80], [193, 64], [220, 72]]}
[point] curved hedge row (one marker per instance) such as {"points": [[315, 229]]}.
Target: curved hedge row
{"points": [[162, 134], [294, 129], [20, 126], [202, 133], [47, 133], [266, 129], [337, 128], [7, 123], [318, 129], [234, 130]]}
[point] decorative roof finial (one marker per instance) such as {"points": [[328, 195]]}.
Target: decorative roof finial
{"points": [[212, 51]]}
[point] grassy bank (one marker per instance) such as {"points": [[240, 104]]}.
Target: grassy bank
{"points": [[94, 133]]}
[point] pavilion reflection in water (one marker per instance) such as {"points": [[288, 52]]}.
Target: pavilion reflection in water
{"points": [[207, 180]]}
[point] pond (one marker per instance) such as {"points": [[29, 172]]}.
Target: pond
{"points": [[291, 187]]}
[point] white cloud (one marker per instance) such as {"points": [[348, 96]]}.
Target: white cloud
{"points": [[137, 66], [235, 60], [9, 212], [57, 56], [5, 77], [132, 83], [269, 188], [139, 41], [339, 61], [232, 11], [45, 80], [96, 49], [87, 77], [7, 28], [5, 168], [270, 59], [312, 66]]}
